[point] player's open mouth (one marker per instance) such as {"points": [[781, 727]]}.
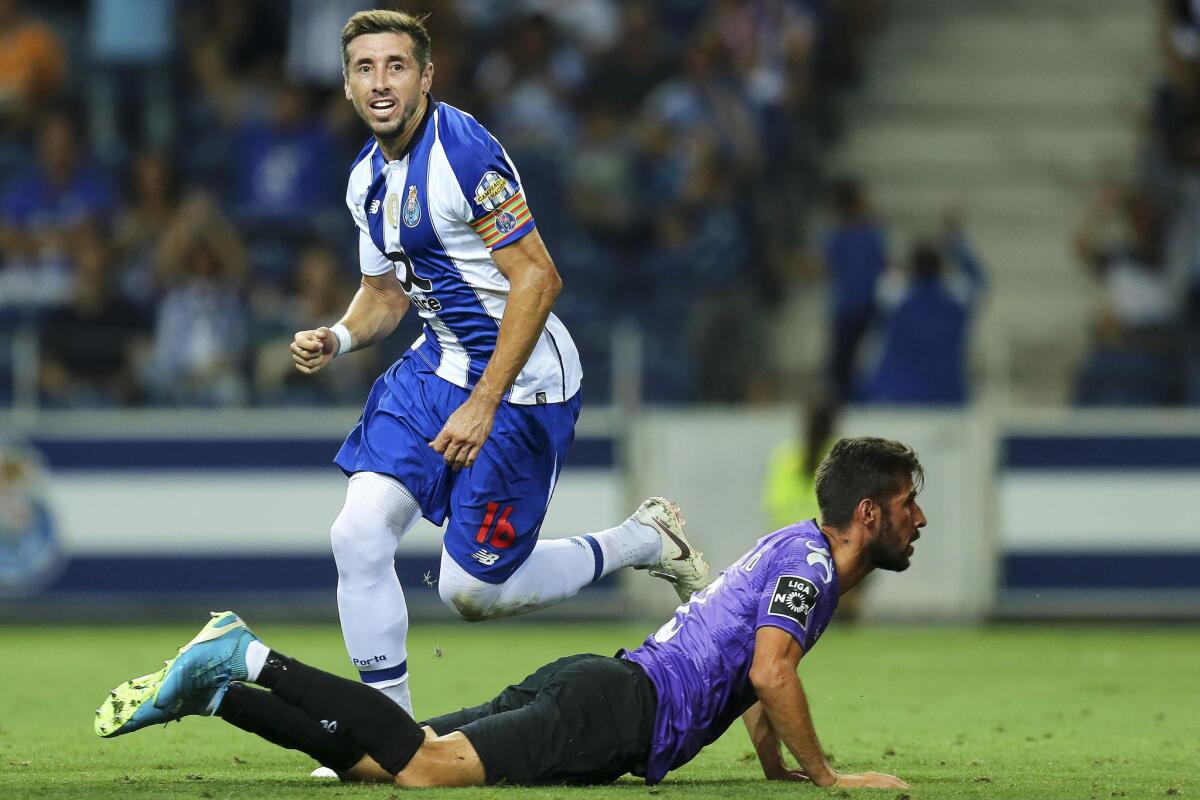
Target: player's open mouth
{"points": [[382, 108]]}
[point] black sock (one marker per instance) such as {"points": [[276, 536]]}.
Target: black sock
{"points": [[281, 723], [363, 715]]}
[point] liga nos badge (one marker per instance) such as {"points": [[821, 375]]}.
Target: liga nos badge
{"points": [[794, 597]]}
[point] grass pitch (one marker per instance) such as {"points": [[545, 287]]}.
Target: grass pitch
{"points": [[1012, 712]]}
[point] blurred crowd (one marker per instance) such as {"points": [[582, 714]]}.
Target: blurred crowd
{"points": [[899, 326], [1140, 240], [172, 175]]}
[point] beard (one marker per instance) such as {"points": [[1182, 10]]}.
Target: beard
{"points": [[884, 551], [392, 129]]}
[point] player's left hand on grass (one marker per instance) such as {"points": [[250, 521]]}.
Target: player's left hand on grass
{"points": [[869, 780], [464, 433]]}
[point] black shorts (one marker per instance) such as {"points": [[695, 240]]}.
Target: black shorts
{"points": [[583, 719]]}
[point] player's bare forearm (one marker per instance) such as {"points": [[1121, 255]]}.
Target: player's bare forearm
{"points": [[773, 674], [534, 285], [766, 745], [786, 708], [376, 309], [373, 314]]}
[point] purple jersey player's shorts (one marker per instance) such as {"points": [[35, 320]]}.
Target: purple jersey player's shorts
{"points": [[495, 506]]}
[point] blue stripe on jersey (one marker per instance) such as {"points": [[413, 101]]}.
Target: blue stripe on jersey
{"points": [[462, 311], [366, 151], [373, 202]]}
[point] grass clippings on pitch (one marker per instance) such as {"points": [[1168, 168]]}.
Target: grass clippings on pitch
{"points": [[1011, 712]]}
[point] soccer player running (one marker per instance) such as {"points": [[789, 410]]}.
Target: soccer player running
{"points": [[473, 424], [731, 650]]}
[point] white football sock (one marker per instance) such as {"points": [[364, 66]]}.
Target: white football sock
{"points": [[256, 656], [555, 570], [630, 544], [400, 695], [378, 511]]}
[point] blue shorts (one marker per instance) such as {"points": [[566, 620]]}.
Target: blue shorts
{"points": [[496, 506]]}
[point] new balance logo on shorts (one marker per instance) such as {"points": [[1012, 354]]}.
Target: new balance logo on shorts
{"points": [[485, 558]]}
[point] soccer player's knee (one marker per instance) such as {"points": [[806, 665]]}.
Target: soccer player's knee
{"points": [[466, 600], [357, 548]]}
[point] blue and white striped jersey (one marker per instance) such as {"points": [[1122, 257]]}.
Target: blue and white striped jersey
{"points": [[434, 215]]}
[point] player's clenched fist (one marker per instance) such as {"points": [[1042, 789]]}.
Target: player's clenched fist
{"points": [[312, 350]]}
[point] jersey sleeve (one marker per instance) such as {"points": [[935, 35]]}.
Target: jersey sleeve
{"points": [[798, 595], [494, 200], [370, 260]]}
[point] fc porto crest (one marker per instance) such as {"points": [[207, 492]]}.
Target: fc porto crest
{"points": [[412, 209], [30, 556], [505, 222]]}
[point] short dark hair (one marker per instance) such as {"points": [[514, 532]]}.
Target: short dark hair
{"points": [[384, 21], [925, 260], [861, 468]]}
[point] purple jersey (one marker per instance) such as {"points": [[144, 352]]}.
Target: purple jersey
{"points": [[700, 661]]}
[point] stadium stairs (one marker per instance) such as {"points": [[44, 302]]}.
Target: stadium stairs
{"points": [[1018, 108]]}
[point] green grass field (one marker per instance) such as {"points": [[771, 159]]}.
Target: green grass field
{"points": [[1011, 712]]}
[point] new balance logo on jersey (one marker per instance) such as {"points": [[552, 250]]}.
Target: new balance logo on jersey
{"points": [[374, 209], [485, 558]]}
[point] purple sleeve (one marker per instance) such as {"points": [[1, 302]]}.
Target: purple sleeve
{"points": [[797, 596]]}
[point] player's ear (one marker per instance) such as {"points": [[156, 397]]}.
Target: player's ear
{"points": [[346, 87], [427, 77], [867, 513]]}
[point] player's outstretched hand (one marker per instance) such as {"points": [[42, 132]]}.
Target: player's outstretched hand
{"points": [[869, 780], [464, 433], [312, 350]]}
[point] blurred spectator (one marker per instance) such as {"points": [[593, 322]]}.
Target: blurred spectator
{"points": [[788, 493], [770, 43], [1137, 293], [282, 182], [637, 62], [129, 88], [528, 82], [33, 63], [602, 177], [89, 347], [44, 212], [704, 102], [200, 333], [311, 28], [234, 52], [152, 199], [319, 295], [1134, 359], [593, 25], [855, 257], [925, 315]]}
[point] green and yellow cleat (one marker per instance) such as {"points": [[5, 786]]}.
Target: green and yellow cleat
{"points": [[193, 682]]}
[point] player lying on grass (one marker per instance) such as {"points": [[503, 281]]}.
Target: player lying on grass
{"points": [[730, 651]]}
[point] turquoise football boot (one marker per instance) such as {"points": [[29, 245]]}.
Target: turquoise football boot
{"points": [[193, 682]]}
